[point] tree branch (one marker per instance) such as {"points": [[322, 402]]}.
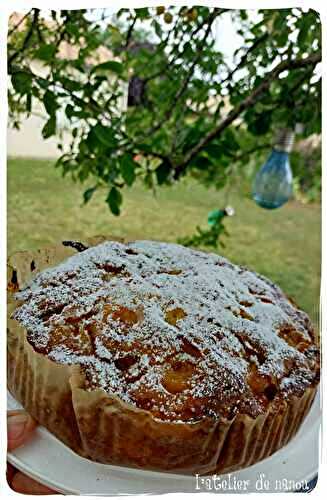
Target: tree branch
{"points": [[26, 39], [130, 32], [14, 28], [244, 58], [218, 12], [244, 154], [249, 101], [185, 83]]}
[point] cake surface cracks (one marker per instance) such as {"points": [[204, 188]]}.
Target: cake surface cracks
{"points": [[181, 333]]}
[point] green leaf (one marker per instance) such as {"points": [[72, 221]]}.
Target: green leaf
{"points": [[49, 128], [113, 66], [157, 28], [42, 83], [260, 124], [105, 135], [304, 24], [127, 167], [148, 180], [70, 112], [50, 102], [114, 200], [163, 172], [45, 52], [144, 147], [282, 38], [83, 172], [201, 162], [214, 150], [72, 28], [230, 141], [142, 13], [69, 84], [22, 82]]}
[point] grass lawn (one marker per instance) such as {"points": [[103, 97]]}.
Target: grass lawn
{"points": [[284, 244]]}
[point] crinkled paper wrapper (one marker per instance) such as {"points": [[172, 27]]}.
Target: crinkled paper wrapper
{"points": [[103, 428]]}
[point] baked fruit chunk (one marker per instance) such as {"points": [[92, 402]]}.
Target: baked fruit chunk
{"points": [[153, 355]]}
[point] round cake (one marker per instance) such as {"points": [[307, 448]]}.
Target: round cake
{"points": [[157, 356]]}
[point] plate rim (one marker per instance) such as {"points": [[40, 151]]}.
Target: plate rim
{"points": [[21, 465]]}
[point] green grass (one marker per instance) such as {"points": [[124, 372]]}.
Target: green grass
{"points": [[284, 244]]}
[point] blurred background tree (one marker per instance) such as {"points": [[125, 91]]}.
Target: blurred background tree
{"points": [[191, 111]]}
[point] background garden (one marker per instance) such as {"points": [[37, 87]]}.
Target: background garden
{"points": [[157, 124]]}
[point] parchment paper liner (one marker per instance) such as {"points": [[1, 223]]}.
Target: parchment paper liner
{"points": [[103, 428]]}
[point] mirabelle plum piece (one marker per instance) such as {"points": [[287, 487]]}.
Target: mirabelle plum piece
{"points": [[291, 335], [122, 314], [176, 379], [174, 315], [73, 337]]}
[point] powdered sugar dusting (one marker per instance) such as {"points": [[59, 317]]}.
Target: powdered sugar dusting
{"points": [[176, 331]]}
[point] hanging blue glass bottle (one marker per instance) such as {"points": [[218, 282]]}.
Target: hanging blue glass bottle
{"points": [[273, 184]]}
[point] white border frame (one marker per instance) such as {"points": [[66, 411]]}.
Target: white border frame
{"points": [[21, 5]]}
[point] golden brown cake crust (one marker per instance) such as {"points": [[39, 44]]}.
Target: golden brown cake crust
{"points": [[146, 379]]}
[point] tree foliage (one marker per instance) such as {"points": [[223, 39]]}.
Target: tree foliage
{"points": [[200, 114]]}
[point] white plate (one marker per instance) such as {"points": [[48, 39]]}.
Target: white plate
{"points": [[51, 463]]}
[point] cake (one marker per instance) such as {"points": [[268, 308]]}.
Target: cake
{"points": [[152, 355]]}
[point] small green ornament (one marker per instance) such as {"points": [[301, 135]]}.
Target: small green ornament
{"points": [[215, 216], [210, 237]]}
